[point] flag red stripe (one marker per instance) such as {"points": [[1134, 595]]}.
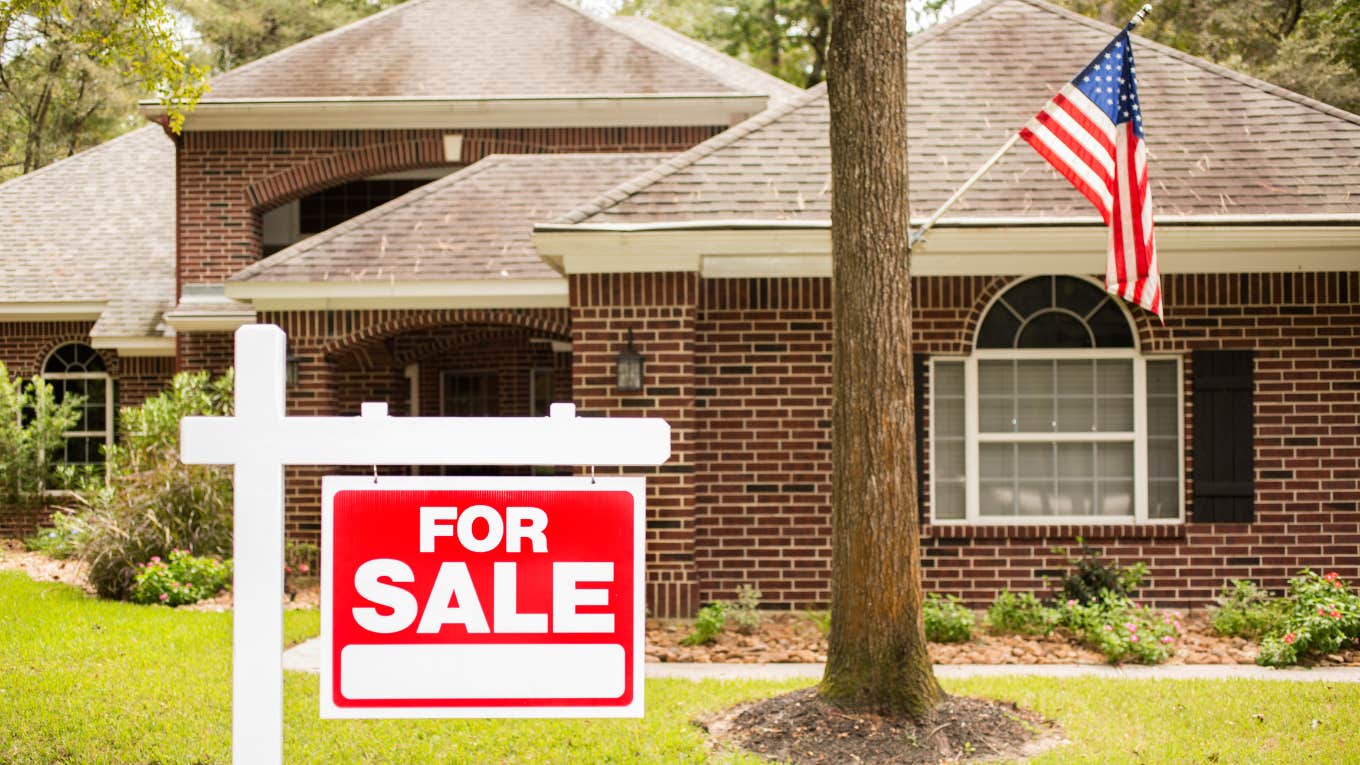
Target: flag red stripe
{"points": [[1075, 145], [1101, 136], [1067, 172]]}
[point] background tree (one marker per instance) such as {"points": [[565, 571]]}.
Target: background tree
{"points": [[1310, 46], [876, 659], [234, 32], [71, 71]]}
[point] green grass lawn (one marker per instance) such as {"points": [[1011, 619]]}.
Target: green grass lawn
{"points": [[84, 681]]}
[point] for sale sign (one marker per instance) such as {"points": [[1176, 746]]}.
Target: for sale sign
{"points": [[481, 597]]}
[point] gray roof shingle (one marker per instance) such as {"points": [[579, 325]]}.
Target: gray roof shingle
{"points": [[96, 226], [1220, 143], [473, 49], [472, 225]]}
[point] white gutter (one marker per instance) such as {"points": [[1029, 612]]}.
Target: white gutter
{"points": [[768, 248], [52, 310], [470, 293], [135, 346], [466, 113]]}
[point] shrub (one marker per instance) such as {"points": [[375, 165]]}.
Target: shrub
{"points": [[152, 504], [1121, 630], [1321, 616], [1022, 614], [822, 619], [744, 612], [31, 426], [947, 619], [1244, 609], [1092, 576], [62, 539], [707, 624], [181, 581]]}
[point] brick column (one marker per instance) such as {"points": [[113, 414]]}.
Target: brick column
{"points": [[661, 310]]}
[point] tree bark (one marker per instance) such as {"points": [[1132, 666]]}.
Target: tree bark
{"points": [[877, 659]]}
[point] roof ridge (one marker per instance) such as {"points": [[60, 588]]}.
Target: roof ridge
{"points": [[84, 153], [617, 24], [402, 7], [1202, 63], [680, 161], [299, 249]]}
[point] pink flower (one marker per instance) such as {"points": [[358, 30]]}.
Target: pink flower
{"points": [[1331, 576], [1133, 638], [164, 597], [1166, 639], [304, 568], [1071, 602], [1289, 637], [287, 569], [1335, 614], [155, 559], [1321, 611], [1108, 628]]}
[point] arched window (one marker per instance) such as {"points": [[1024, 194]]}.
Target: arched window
{"points": [[1055, 417], [78, 369]]}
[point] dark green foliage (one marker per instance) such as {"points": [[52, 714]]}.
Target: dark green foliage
{"points": [[31, 428], [1244, 609], [183, 580], [707, 624], [1020, 614], [947, 619], [1091, 576], [1320, 616]]}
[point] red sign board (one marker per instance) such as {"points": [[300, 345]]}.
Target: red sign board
{"points": [[482, 597]]}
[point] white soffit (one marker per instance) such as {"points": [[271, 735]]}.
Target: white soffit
{"points": [[292, 296], [527, 112], [783, 248]]}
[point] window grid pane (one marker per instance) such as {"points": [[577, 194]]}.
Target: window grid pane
{"points": [[948, 471]]}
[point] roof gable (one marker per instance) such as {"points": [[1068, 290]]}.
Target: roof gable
{"points": [[469, 49], [1221, 143]]}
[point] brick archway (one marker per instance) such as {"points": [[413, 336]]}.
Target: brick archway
{"points": [[299, 181], [371, 326]]}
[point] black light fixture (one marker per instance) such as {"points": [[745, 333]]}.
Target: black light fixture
{"points": [[292, 366], [628, 368]]}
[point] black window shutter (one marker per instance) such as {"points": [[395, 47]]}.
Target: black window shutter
{"points": [[918, 376], [1225, 444]]}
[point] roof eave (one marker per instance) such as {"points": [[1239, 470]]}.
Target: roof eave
{"points": [[467, 113], [135, 345], [722, 249], [52, 310], [429, 294]]}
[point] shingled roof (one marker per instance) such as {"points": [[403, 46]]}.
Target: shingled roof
{"points": [[1221, 143], [98, 226], [472, 225], [473, 49]]}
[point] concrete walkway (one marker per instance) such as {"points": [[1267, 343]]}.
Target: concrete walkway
{"points": [[306, 657]]}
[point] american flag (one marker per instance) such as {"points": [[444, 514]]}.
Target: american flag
{"points": [[1092, 132]]}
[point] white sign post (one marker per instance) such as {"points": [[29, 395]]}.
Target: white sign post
{"points": [[259, 440]]}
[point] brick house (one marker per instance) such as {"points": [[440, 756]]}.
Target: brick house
{"points": [[483, 228]]}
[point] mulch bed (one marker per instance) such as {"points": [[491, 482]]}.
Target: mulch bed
{"points": [[800, 728]]}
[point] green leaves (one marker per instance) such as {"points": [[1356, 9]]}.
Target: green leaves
{"points": [[31, 428]]}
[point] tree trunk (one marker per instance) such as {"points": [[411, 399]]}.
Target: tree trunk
{"points": [[877, 659]]}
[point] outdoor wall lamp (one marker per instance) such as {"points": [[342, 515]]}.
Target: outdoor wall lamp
{"points": [[293, 365], [628, 368]]}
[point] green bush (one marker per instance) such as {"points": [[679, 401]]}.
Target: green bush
{"points": [[744, 613], [947, 619], [1122, 630], [1091, 577], [1321, 616], [1244, 609], [152, 504], [707, 624], [1022, 614], [31, 428], [62, 539], [181, 581]]}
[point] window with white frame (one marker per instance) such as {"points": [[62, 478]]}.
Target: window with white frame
{"points": [[77, 369], [1056, 416]]}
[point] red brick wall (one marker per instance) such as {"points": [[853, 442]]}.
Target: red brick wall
{"points": [[661, 310], [763, 464], [24, 345], [762, 348], [139, 378]]}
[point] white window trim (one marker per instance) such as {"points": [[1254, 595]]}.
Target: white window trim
{"points": [[1139, 438], [109, 412]]}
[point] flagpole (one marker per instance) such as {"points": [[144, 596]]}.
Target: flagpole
{"points": [[919, 234]]}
